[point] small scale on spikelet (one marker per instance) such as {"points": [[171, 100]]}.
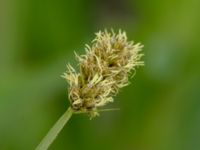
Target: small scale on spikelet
{"points": [[103, 70]]}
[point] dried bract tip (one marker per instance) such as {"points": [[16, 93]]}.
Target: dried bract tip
{"points": [[103, 70]]}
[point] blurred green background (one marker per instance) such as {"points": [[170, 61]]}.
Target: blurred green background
{"points": [[160, 110]]}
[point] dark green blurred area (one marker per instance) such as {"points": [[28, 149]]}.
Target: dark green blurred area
{"points": [[160, 110]]}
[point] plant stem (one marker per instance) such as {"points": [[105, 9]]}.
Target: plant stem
{"points": [[54, 131]]}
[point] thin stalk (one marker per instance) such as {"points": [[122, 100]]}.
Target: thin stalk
{"points": [[54, 131]]}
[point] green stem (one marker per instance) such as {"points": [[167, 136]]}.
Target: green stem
{"points": [[54, 131]]}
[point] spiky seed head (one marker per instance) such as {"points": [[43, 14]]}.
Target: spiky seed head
{"points": [[103, 70]]}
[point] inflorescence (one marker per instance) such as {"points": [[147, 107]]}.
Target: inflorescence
{"points": [[103, 70]]}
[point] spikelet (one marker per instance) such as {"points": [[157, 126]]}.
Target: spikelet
{"points": [[103, 70]]}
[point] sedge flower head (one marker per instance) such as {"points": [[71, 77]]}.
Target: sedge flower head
{"points": [[103, 71]]}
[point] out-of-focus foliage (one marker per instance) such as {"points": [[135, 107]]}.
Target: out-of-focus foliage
{"points": [[160, 110]]}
